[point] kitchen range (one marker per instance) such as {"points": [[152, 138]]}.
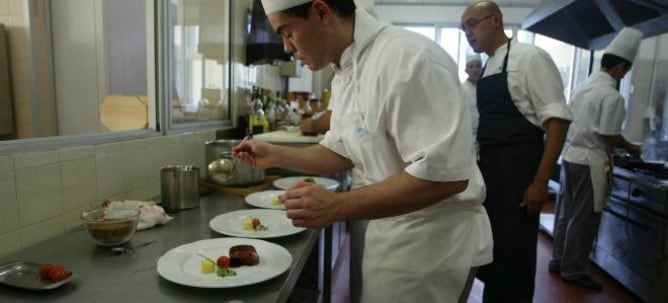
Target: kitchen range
{"points": [[632, 243]]}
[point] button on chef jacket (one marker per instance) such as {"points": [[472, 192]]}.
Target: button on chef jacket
{"points": [[540, 98], [399, 107]]}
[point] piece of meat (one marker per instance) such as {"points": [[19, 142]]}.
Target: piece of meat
{"points": [[310, 180], [244, 254]]}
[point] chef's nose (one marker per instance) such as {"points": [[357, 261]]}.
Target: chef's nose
{"points": [[288, 47]]}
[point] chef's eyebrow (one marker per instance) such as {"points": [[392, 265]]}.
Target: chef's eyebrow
{"points": [[280, 29]]}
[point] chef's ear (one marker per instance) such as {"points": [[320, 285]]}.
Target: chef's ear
{"points": [[322, 10]]}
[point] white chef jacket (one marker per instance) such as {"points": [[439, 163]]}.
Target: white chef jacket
{"points": [[534, 82], [399, 107], [599, 110], [470, 94]]}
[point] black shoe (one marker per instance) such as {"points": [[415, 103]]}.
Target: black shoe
{"points": [[585, 282], [554, 266]]}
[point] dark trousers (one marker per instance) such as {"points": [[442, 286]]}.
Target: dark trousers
{"points": [[508, 171], [576, 223]]}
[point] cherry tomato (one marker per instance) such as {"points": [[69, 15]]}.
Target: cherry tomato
{"points": [[44, 270], [223, 262], [59, 274], [256, 222]]}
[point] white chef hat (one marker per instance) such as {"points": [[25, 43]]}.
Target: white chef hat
{"points": [[473, 57], [625, 45], [272, 6]]}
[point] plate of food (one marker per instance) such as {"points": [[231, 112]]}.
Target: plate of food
{"points": [[285, 183], [34, 276], [249, 261], [254, 223], [266, 199]]}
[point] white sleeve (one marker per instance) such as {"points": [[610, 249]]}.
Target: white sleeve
{"points": [[545, 88]]}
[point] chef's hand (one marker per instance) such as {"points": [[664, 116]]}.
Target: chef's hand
{"points": [[257, 154], [535, 196], [309, 205]]}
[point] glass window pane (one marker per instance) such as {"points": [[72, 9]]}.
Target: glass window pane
{"points": [[427, 31], [200, 63], [562, 54]]}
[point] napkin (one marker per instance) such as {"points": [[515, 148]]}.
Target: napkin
{"points": [[150, 214]]}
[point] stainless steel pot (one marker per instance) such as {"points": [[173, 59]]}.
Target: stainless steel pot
{"points": [[179, 188], [225, 170]]}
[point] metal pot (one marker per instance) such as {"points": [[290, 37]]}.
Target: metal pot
{"points": [[225, 170]]}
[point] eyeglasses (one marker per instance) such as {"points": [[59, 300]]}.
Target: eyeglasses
{"points": [[471, 23]]}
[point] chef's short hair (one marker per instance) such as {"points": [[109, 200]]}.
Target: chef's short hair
{"points": [[343, 8], [609, 61]]}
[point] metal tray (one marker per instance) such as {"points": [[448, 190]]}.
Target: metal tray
{"points": [[25, 275]]}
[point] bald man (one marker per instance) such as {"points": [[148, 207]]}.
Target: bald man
{"points": [[522, 127]]}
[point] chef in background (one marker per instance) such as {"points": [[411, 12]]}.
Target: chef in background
{"points": [[422, 194], [473, 69], [521, 131], [587, 163]]}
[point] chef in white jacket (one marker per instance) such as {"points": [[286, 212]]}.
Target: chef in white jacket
{"points": [[585, 179], [473, 69], [400, 116]]}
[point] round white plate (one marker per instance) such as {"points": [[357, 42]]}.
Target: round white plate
{"points": [[263, 199], [285, 183], [182, 265], [231, 223]]}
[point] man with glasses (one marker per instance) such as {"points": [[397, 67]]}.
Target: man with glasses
{"points": [[522, 127], [399, 115]]}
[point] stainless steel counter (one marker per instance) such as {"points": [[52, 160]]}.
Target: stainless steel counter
{"points": [[102, 276]]}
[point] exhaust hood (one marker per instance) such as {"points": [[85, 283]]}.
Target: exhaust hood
{"points": [[264, 46], [592, 24]]}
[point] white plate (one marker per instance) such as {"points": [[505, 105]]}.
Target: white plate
{"points": [[262, 199], [182, 266], [285, 183], [231, 223]]}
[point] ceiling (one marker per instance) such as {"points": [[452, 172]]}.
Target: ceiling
{"points": [[502, 3]]}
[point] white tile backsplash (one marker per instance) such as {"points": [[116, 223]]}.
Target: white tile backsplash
{"points": [[6, 163], [9, 219], [39, 193], [42, 194], [11, 243], [4, 8], [36, 233], [79, 183]]}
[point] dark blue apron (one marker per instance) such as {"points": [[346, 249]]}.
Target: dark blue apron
{"points": [[510, 151]]}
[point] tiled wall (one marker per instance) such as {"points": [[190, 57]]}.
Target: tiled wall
{"points": [[43, 193]]}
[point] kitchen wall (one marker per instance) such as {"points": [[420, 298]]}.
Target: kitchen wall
{"points": [[441, 14], [43, 193]]}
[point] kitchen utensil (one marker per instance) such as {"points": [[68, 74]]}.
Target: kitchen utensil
{"points": [[179, 187], [278, 225], [110, 229], [25, 275], [223, 169], [287, 182], [131, 249], [182, 265]]}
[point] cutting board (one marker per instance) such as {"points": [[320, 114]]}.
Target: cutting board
{"points": [[241, 191], [124, 112]]}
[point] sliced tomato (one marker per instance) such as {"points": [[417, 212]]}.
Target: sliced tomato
{"points": [[44, 270], [59, 274], [223, 262]]}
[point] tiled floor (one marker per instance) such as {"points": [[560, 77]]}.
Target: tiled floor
{"points": [[549, 287]]}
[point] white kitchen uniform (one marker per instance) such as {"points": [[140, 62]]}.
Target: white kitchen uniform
{"points": [[537, 98], [599, 109], [470, 95], [399, 107]]}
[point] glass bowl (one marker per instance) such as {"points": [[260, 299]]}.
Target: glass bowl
{"points": [[109, 228]]}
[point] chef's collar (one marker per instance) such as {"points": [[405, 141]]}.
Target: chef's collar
{"points": [[365, 29], [501, 49], [605, 78]]}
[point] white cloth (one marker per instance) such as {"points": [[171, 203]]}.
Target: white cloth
{"points": [[470, 94], [150, 214], [273, 6], [393, 84], [625, 45], [534, 82], [599, 110]]}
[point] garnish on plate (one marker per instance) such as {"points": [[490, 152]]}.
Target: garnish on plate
{"points": [[221, 266]]}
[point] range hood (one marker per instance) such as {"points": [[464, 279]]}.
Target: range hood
{"points": [[263, 46], [592, 24]]}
